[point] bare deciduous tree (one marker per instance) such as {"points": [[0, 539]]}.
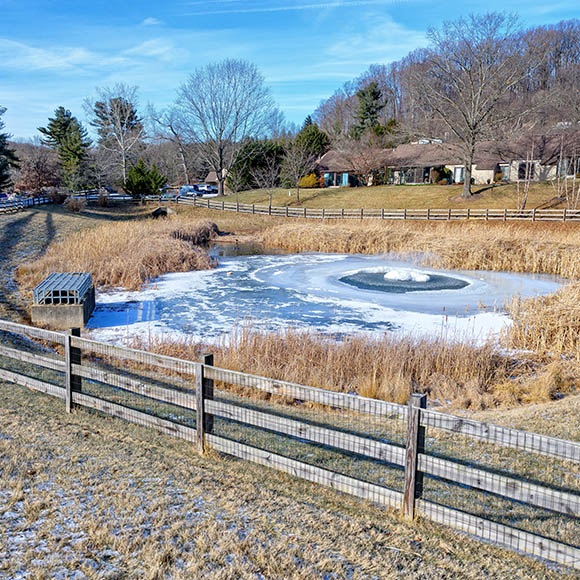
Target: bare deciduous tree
{"points": [[299, 160], [168, 126], [38, 169], [267, 175], [115, 117], [469, 80], [365, 156], [222, 105]]}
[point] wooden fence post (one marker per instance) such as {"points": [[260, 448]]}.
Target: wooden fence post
{"points": [[415, 445], [203, 391], [72, 355]]}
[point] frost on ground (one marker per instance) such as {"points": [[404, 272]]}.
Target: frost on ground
{"points": [[84, 496]]}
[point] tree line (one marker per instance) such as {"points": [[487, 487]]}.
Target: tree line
{"points": [[481, 78]]}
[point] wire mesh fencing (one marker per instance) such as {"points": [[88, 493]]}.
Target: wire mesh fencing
{"points": [[511, 487]]}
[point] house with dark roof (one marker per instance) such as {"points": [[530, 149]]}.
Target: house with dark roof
{"points": [[539, 157]]}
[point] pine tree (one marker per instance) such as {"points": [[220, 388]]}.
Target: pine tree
{"points": [[7, 156], [370, 104], [142, 181], [69, 138], [313, 139]]}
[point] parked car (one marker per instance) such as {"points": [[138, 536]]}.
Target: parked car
{"points": [[191, 190]]}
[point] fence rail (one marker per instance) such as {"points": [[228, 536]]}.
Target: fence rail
{"points": [[543, 215], [417, 448], [20, 203]]}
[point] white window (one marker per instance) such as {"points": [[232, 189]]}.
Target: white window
{"points": [[459, 174]]}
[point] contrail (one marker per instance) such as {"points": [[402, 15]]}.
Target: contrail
{"points": [[296, 7]]}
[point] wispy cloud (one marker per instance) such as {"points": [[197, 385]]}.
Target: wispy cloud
{"points": [[17, 55], [151, 21], [159, 49], [229, 7], [385, 40]]}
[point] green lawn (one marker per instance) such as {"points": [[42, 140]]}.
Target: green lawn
{"points": [[400, 196]]}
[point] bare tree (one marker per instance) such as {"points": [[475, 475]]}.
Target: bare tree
{"points": [[115, 117], [168, 126], [222, 105], [567, 184], [524, 181], [38, 169], [469, 80], [299, 160], [365, 156], [267, 175]]}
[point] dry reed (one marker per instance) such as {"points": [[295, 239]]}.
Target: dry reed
{"points": [[126, 254], [523, 247], [454, 374]]}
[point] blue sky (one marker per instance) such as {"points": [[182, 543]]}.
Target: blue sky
{"points": [[55, 53]]}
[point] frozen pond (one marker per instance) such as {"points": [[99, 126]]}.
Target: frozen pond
{"points": [[330, 293]]}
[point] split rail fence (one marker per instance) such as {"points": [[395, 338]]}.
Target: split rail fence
{"points": [[510, 487], [543, 215], [18, 204]]}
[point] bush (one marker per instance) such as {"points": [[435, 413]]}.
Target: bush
{"points": [[103, 200], [75, 204], [142, 181], [309, 181]]}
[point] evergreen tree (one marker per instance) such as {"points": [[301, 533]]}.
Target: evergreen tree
{"points": [[69, 138], [115, 117], [370, 104], [313, 139], [7, 156], [142, 181], [307, 122], [253, 156]]}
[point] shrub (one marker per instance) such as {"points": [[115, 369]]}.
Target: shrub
{"points": [[142, 181], [103, 200], [308, 181], [75, 204]]}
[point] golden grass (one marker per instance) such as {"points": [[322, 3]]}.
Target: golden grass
{"points": [[126, 254], [401, 196], [113, 500], [548, 324], [524, 247], [454, 374]]}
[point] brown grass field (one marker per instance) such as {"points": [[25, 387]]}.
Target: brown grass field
{"points": [[401, 196], [95, 496], [100, 498]]}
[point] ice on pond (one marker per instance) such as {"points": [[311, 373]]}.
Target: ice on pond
{"points": [[314, 292]]}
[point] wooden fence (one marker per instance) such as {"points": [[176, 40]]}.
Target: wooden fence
{"points": [[540, 215], [20, 203], [124, 383]]}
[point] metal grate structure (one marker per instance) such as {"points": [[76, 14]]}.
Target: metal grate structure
{"points": [[61, 288]]}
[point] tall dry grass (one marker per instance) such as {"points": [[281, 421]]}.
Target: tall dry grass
{"points": [[525, 247], [456, 374], [126, 254], [548, 324]]}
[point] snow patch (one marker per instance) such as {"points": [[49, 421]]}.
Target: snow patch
{"points": [[407, 276]]}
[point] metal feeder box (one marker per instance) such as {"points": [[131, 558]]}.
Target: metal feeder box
{"points": [[64, 301]]}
